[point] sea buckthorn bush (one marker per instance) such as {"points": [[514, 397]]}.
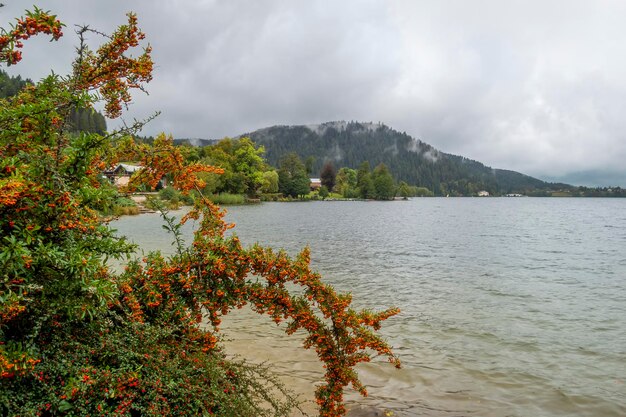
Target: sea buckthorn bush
{"points": [[77, 337]]}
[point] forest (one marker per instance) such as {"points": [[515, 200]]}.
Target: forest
{"points": [[410, 160], [79, 119]]}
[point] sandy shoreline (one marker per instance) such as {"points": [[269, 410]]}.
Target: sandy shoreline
{"points": [[257, 340]]}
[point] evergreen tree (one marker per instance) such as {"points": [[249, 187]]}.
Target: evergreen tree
{"points": [[365, 185], [308, 165], [292, 177], [10, 86]]}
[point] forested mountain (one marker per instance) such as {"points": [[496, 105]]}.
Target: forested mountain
{"points": [[9, 86], [409, 159], [79, 120]]}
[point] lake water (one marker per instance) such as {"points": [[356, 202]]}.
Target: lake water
{"points": [[510, 306]]}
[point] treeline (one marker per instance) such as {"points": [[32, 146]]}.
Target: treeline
{"points": [[378, 184], [247, 172], [410, 160], [596, 192], [10, 86], [78, 120]]}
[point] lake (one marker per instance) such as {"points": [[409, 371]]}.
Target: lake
{"points": [[510, 306]]}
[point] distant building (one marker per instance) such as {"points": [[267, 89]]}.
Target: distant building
{"points": [[121, 173], [483, 193], [316, 183]]}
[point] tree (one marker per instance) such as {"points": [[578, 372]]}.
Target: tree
{"points": [[10, 86], [347, 182], [383, 183], [423, 192], [364, 181], [300, 185], [249, 163], [404, 190], [308, 165], [270, 182], [292, 177], [243, 165], [78, 338], [327, 175], [323, 192]]}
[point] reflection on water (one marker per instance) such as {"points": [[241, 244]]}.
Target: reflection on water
{"points": [[510, 307]]}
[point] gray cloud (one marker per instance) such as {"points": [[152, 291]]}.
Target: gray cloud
{"points": [[534, 86]]}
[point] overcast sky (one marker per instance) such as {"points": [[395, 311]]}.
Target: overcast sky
{"points": [[534, 86]]}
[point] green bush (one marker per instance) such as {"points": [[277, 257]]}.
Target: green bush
{"points": [[169, 194]]}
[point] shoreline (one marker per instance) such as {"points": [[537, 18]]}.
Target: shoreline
{"points": [[258, 340]]}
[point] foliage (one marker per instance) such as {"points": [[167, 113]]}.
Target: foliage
{"points": [[272, 197], [346, 182], [10, 86], [226, 198], [308, 165], [327, 175], [293, 180], [323, 192], [422, 192], [270, 182], [384, 188], [409, 159], [86, 120], [34, 23], [78, 338], [405, 190], [242, 163], [364, 182], [600, 192], [175, 197]]}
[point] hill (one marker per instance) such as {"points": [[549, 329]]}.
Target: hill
{"points": [[409, 159]]}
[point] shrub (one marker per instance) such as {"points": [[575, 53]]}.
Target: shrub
{"points": [[169, 194], [227, 198], [77, 338], [125, 210]]}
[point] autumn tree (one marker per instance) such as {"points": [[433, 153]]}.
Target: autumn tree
{"points": [[79, 338], [327, 175]]}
